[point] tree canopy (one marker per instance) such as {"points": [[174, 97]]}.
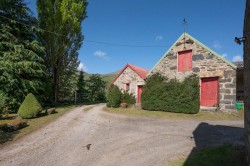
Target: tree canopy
{"points": [[22, 68], [63, 18]]}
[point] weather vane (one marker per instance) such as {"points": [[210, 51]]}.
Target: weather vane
{"points": [[184, 23]]}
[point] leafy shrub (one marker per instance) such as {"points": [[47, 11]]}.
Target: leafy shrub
{"points": [[13, 125], [114, 97], [30, 107], [128, 98], [162, 94]]}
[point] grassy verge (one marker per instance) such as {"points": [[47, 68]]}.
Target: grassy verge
{"points": [[200, 115], [222, 155], [88, 108], [33, 124]]}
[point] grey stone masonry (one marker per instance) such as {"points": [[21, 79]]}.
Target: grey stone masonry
{"points": [[129, 76], [204, 64]]}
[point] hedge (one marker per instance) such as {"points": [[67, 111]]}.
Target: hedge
{"points": [[162, 94]]}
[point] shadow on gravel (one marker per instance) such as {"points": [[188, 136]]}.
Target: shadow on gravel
{"points": [[217, 145]]}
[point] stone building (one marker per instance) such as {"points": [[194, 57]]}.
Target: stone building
{"points": [[131, 78], [217, 75], [246, 59], [239, 81]]}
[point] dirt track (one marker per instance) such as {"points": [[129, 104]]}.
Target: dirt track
{"points": [[117, 140]]}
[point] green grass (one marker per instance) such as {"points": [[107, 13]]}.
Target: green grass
{"points": [[200, 115], [227, 155], [88, 108], [33, 124]]}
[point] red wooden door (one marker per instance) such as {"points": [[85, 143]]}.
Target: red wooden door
{"points": [[185, 60], [139, 91], [209, 91]]}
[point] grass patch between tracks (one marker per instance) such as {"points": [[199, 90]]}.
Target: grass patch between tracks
{"points": [[199, 115]]}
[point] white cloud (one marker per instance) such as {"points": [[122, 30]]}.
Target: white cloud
{"points": [[100, 54], [82, 66], [217, 45], [159, 37], [237, 58], [224, 55]]}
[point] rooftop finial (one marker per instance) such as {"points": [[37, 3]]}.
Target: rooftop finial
{"points": [[184, 23]]}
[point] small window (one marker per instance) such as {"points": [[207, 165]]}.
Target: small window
{"points": [[185, 61], [127, 88]]}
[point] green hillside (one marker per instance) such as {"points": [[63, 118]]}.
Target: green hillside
{"points": [[106, 77]]}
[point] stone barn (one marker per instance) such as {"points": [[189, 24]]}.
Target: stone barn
{"points": [[131, 78], [217, 75]]}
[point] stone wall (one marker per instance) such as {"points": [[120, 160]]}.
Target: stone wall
{"points": [[129, 76], [204, 64]]}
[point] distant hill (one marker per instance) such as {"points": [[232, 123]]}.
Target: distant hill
{"points": [[106, 77]]}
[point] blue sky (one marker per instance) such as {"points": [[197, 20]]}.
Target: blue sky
{"points": [[135, 23]]}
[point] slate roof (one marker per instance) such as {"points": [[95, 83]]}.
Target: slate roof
{"points": [[138, 70], [239, 64]]}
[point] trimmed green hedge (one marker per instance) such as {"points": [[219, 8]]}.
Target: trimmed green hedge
{"points": [[162, 94], [30, 107]]}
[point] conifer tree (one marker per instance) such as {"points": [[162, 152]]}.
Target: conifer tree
{"points": [[21, 61], [82, 92]]}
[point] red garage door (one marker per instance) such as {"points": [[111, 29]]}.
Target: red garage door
{"points": [[209, 91]]}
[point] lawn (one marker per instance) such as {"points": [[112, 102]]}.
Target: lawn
{"points": [[33, 124], [227, 155], [200, 115]]}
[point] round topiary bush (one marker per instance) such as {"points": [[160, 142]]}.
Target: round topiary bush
{"points": [[30, 107]]}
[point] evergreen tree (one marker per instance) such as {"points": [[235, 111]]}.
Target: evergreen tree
{"points": [[81, 88], [81, 83], [21, 61], [64, 18]]}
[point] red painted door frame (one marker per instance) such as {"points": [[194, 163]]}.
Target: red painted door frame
{"points": [[209, 93], [139, 91]]}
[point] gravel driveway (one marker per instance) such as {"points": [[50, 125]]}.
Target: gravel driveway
{"points": [[117, 140]]}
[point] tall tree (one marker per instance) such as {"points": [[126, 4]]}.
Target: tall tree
{"points": [[21, 61], [81, 88], [63, 18], [81, 85]]}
